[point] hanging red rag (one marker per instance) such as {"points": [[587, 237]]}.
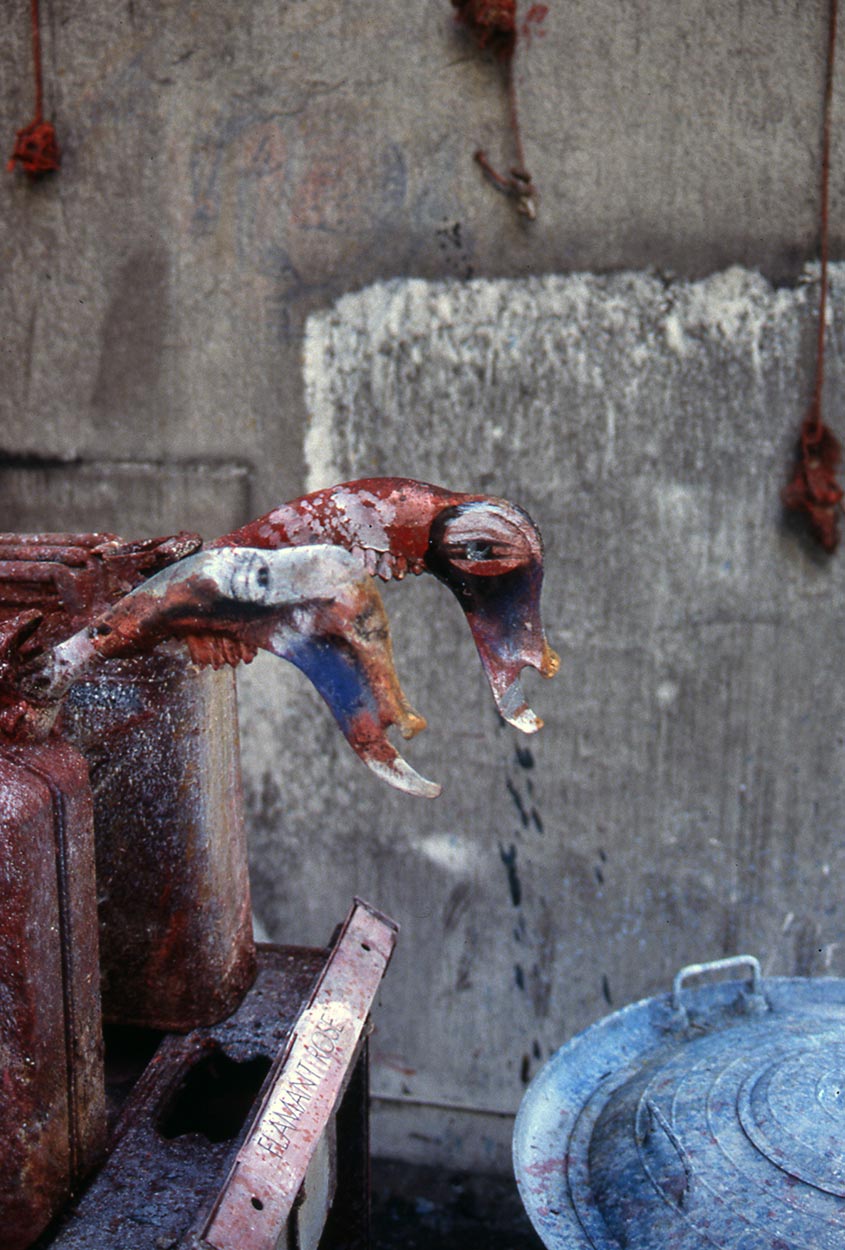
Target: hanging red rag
{"points": [[36, 150], [813, 488], [492, 23]]}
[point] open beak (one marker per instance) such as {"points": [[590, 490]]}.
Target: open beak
{"points": [[313, 606], [503, 614], [490, 555], [344, 650]]}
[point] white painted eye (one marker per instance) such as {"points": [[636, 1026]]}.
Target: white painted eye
{"points": [[252, 577], [260, 579]]}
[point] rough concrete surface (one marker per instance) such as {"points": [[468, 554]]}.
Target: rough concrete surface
{"points": [[685, 798], [138, 498], [231, 168]]}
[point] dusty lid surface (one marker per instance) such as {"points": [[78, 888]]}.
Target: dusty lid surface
{"points": [[712, 1116]]}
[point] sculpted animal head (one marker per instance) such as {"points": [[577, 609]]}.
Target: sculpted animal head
{"points": [[487, 551]]}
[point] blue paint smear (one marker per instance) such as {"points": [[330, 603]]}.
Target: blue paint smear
{"points": [[335, 672]]}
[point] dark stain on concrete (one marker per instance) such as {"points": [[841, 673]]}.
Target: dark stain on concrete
{"points": [[456, 905], [516, 799], [524, 757], [508, 858]]}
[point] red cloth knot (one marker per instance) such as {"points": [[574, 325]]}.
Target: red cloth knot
{"points": [[813, 488], [36, 149], [492, 24]]}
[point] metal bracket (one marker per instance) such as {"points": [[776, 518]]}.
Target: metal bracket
{"points": [[304, 1089]]}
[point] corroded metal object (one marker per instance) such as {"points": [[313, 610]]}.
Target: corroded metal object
{"points": [[160, 734], [487, 551], [52, 1106], [126, 649], [161, 740], [214, 1142], [303, 1091], [711, 1116], [53, 584]]}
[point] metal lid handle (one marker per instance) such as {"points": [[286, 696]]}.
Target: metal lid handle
{"points": [[718, 965]]}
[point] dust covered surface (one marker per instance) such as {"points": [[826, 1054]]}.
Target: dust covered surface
{"points": [[419, 1207]]}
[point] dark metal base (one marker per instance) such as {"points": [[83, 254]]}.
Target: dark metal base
{"points": [[180, 1108]]}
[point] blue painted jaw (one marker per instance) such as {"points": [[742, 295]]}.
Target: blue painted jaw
{"points": [[333, 669]]}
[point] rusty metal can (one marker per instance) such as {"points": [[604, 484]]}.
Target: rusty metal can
{"points": [[161, 739], [52, 1101]]}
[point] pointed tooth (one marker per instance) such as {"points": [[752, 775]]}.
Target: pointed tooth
{"points": [[526, 720], [397, 772], [359, 553], [409, 722], [385, 567], [371, 561], [513, 706]]}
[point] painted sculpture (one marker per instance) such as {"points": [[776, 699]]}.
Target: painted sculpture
{"points": [[310, 605], [119, 756], [487, 551]]}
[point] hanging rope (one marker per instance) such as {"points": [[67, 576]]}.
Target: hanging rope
{"points": [[813, 488], [492, 23], [36, 150]]}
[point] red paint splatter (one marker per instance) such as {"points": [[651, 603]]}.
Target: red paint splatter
{"points": [[535, 17]]}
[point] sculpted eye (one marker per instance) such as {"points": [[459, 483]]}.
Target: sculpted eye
{"points": [[251, 577], [479, 551], [484, 539]]}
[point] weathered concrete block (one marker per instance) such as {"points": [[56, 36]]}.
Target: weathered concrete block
{"points": [[136, 500], [684, 800]]}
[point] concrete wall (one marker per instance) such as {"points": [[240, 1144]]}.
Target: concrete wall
{"points": [[232, 169]]}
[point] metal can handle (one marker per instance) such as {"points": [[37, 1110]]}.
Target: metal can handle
{"points": [[718, 965]]}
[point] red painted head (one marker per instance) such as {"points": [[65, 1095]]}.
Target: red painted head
{"points": [[487, 551]]}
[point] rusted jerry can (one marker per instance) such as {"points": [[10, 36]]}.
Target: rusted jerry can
{"points": [[161, 740], [52, 1102], [160, 737]]}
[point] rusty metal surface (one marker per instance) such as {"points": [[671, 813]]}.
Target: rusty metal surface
{"points": [[52, 1108], [69, 577], [52, 585], [161, 739], [180, 1129], [305, 1090], [487, 551]]}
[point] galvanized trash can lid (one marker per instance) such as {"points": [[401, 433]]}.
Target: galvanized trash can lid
{"points": [[713, 1116]]}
